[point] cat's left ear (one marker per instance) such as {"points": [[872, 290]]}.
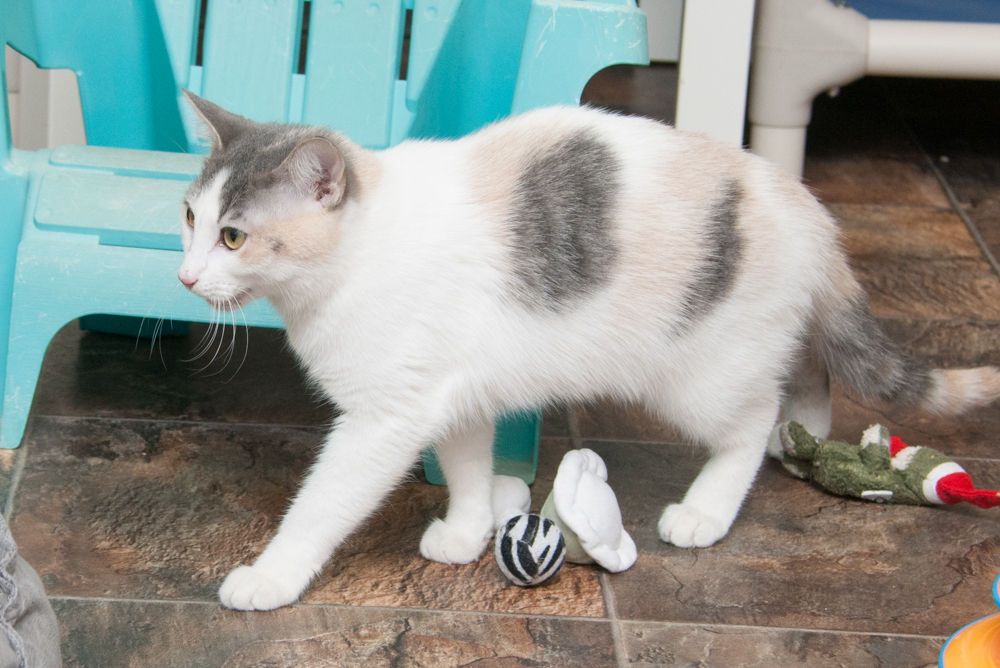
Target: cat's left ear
{"points": [[316, 168], [223, 127]]}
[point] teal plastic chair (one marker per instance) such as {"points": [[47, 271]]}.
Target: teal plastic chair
{"points": [[88, 230]]}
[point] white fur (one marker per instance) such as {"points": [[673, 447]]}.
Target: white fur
{"points": [[409, 325], [206, 261]]}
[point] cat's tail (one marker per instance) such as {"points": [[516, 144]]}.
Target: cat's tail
{"points": [[859, 354]]}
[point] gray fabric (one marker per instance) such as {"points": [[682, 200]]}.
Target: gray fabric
{"points": [[29, 636]]}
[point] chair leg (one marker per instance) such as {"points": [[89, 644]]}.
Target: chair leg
{"points": [[715, 58], [24, 362], [801, 48], [785, 147], [57, 282], [13, 192]]}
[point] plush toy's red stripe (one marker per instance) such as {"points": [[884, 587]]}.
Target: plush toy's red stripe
{"points": [[958, 487], [895, 445]]}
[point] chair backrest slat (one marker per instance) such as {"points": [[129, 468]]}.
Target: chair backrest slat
{"points": [[249, 56], [179, 23], [118, 50], [464, 60], [352, 65], [431, 20]]}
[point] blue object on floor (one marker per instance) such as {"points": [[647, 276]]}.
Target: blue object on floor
{"points": [[94, 230]]}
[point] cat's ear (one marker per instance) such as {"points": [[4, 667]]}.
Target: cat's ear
{"points": [[316, 168], [222, 125]]}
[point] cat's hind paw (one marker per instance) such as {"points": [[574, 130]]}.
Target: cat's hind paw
{"points": [[686, 526], [247, 588], [452, 543]]}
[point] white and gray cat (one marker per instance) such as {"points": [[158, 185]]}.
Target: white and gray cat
{"points": [[560, 256]]}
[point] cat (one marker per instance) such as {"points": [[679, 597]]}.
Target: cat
{"points": [[564, 255]]}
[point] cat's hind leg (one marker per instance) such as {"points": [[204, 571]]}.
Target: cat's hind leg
{"points": [[807, 401], [807, 395], [466, 459], [714, 498]]}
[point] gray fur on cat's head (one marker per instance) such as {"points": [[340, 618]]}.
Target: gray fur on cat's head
{"points": [[268, 162], [268, 202]]}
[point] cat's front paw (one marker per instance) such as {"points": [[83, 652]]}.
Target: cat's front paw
{"points": [[686, 526], [453, 543], [249, 588]]}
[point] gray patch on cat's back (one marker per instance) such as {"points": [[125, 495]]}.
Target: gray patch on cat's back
{"points": [[723, 251], [562, 246]]}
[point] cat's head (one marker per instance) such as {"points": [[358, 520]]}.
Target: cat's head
{"points": [[265, 206]]}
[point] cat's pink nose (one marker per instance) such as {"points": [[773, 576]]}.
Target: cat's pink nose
{"points": [[188, 276]]}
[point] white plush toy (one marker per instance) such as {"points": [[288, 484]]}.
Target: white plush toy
{"points": [[582, 510]]}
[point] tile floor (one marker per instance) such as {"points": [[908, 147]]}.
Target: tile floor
{"points": [[139, 485]]}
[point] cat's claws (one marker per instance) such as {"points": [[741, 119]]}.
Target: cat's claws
{"points": [[246, 588], [685, 526], [451, 544]]}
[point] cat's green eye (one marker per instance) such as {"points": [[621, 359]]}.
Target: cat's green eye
{"points": [[233, 238], [190, 217]]}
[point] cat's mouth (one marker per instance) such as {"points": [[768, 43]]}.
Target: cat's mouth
{"points": [[237, 301]]}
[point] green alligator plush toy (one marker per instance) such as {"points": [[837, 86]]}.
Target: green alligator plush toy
{"points": [[881, 468]]}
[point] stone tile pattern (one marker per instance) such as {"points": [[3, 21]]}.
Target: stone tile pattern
{"points": [[148, 633], [648, 645], [164, 511], [142, 481]]}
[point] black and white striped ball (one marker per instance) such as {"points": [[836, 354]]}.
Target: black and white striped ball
{"points": [[529, 549]]}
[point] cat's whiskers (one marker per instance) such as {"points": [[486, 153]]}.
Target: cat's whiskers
{"points": [[157, 335], [232, 344], [232, 303], [215, 355], [222, 339], [157, 339], [207, 339], [246, 348], [203, 345], [199, 370], [231, 348], [158, 327], [196, 352]]}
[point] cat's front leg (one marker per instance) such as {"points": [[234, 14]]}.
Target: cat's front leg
{"points": [[466, 458], [359, 465], [714, 499]]}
